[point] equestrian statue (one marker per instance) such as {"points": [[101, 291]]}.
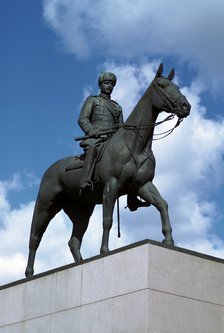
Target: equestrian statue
{"points": [[117, 160]]}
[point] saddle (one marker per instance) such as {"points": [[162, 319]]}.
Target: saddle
{"points": [[78, 161]]}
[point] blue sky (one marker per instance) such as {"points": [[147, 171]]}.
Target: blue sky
{"points": [[51, 54]]}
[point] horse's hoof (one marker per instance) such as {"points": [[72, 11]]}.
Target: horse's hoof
{"points": [[75, 245], [169, 242], [104, 250], [29, 272], [77, 258]]}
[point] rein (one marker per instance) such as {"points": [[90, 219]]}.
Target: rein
{"points": [[141, 127], [168, 132]]}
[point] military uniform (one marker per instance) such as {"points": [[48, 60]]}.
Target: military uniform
{"points": [[99, 113]]}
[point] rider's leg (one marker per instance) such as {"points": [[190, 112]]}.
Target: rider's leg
{"points": [[88, 168]]}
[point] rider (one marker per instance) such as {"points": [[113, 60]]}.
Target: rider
{"points": [[100, 113]]}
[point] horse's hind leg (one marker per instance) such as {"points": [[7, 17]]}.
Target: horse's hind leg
{"points": [[149, 193], [79, 215], [44, 211]]}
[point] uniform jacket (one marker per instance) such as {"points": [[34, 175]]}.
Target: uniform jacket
{"points": [[100, 113]]}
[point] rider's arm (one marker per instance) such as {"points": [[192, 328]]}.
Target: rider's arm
{"points": [[85, 115], [121, 118]]}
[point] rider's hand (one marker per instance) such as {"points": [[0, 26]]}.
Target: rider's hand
{"points": [[94, 132]]}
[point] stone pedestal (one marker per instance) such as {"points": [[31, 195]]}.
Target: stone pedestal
{"points": [[141, 288]]}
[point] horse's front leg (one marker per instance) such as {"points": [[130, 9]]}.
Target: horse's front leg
{"points": [[149, 193], [110, 194]]}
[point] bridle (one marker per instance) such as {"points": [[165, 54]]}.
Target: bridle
{"points": [[171, 105]]}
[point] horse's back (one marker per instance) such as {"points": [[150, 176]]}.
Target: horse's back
{"points": [[63, 173], [65, 164]]}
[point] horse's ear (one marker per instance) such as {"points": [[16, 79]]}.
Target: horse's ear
{"points": [[171, 75], [159, 71]]}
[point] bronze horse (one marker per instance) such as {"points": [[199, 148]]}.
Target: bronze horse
{"points": [[126, 166]]}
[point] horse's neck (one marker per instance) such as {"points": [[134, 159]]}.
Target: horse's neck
{"points": [[140, 124]]}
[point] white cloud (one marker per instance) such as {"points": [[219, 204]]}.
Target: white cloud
{"points": [[126, 29], [11, 267]]}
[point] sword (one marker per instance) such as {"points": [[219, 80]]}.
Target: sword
{"points": [[104, 132]]}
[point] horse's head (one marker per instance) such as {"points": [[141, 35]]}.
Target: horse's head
{"points": [[169, 98]]}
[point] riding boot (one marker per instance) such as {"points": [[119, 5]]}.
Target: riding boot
{"points": [[133, 203], [87, 169]]}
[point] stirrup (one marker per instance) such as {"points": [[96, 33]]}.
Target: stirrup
{"points": [[135, 204]]}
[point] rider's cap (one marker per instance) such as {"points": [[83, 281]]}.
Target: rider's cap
{"points": [[107, 76]]}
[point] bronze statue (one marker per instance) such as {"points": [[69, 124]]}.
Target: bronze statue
{"points": [[125, 165]]}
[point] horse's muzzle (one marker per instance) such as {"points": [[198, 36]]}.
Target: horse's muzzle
{"points": [[183, 108]]}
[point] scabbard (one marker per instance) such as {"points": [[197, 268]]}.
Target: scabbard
{"points": [[80, 138]]}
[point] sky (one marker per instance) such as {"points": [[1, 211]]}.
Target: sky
{"points": [[52, 52]]}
